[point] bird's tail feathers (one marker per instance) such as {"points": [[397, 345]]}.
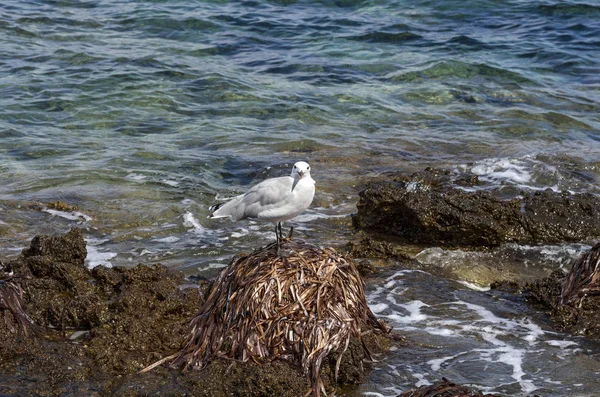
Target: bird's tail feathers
{"points": [[226, 209], [215, 207]]}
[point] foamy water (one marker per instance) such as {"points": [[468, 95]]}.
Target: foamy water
{"points": [[528, 173], [96, 255], [483, 339], [77, 216]]}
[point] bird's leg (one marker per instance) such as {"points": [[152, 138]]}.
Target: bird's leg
{"points": [[277, 233]]}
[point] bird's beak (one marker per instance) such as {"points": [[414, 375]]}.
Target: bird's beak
{"points": [[301, 173]]}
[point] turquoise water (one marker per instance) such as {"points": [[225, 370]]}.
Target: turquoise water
{"points": [[142, 113]]}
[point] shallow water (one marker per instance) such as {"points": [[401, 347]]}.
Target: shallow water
{"points": [[490, 340], [142, 113]]}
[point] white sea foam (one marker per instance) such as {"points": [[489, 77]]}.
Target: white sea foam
{"points": [[561, 343], [414, 312], [503, 169], [211, 266], [421, 380], [135, 177], [474, 287], [436, 364], [378, 308], [390, 284], [242, 233], [169, 239], [193, 224], [390, 392], [170, 183], [311, 216], [516, 172], [70, 215], [95, 257], [440, 331], [535, 331]]}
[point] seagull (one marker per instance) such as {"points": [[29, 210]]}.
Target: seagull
{"points": [[273, 200]]}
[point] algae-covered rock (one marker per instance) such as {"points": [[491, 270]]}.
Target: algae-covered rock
{"points": [[427, 208], [69, 248], [99, 327], [97, 324], [368, 247]]}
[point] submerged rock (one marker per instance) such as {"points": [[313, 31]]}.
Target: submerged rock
{"points": [[445, 388], [100, 327], [573, 299], [427, 208]]}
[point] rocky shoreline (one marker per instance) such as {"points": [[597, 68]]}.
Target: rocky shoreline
{"points": [[89, 332], [441, 208]]}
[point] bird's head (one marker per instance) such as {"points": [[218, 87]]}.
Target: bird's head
{"points": [[300, 170]]}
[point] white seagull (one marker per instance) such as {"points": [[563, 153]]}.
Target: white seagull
{"points": [[273, 200]]}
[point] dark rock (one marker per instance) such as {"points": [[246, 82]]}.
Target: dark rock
{"points": [[506, 286], [68, 248], [358, 355], [445, 388], [368, 247], [365, 267], [427, 209]]}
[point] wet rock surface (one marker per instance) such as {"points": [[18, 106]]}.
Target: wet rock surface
{"points": [[573, 300], [95, 329], [428, 208], [445, 388]]}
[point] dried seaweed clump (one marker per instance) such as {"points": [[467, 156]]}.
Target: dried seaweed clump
{"points": [[11, 304], [583, 279], [299, 308]]}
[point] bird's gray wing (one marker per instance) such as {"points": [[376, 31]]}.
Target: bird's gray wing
{"points": [[266, 196]]}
